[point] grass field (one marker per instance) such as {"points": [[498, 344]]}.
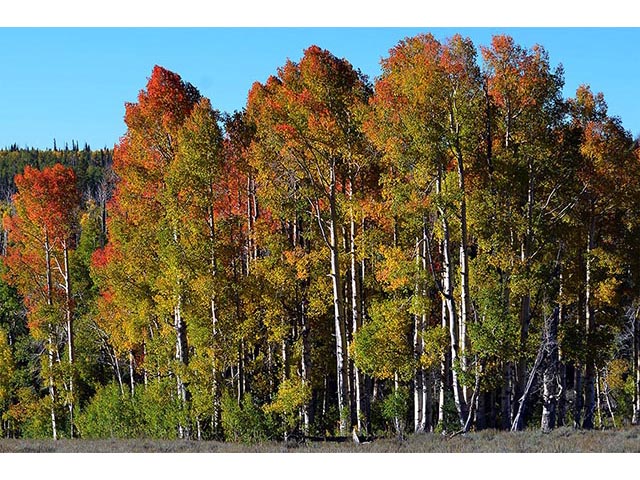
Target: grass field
{"points": [[487, 441]]}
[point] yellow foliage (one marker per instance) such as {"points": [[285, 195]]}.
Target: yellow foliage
{"points": [[292, 394], [617, 370], [7, 368], [395, 268]]}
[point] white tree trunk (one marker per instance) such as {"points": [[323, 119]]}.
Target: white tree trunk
{"points": [[132, 383], [52, 389], [356, 303], [341, 372], [342, 380], [443, 370], [70, 349], [448, 291], [589, 379]]}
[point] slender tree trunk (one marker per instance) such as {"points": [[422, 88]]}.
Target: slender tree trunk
{"points": [[448, 294], [444, 369], [183, 360], [215, 388], [458, 397], [356, 303], [562, 367], [305, 362], [464, 277], [396, 419], [473, 402], [418, 400], [285, 359], [598, 399], [519, 420], [145, 371], [454, 127], [550, 375], [525, 301], [116, 368], [365, 380], [52, 390], [182, 350], [305, 354], [607, 396], [132, 382], [589, 380], [418, 377], [241, 389], [70, 349], [338, 305]]}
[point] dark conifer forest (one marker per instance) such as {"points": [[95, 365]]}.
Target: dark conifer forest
{"points": [[453, 246]]}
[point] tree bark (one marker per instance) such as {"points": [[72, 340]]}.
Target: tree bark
{"points": [[550, 375], [418, 377], [70, 349], [525, 301], [215, 388], [132, 383], [464, 274], [519, 420], [448, 290], [356, 303], [444, 369], [589, 380], [338, 304], [448, 295], [305, 362], [562, 368], [52, 390]]}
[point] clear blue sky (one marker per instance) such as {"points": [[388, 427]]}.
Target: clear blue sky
{"points": [[72, 83]]}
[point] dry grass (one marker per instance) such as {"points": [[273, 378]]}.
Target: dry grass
{"points": [[487, 441]]}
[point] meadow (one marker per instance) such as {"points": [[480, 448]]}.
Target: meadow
{"points": [[562, 440]]}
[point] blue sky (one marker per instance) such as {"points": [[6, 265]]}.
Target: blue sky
{"points": [[72, 83]]}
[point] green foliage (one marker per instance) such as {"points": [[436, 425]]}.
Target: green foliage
{"points": [[292, 395], [159, 409], [231, 227], [246, 422], [451, 420], [7, 369], [110, 414], [396, 404], [153, 412], [394, 409], [381, 347], [436, 343], [30, 415]]}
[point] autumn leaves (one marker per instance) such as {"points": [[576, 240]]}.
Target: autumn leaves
{"points": [[338, 245]]}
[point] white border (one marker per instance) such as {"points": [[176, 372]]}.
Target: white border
{"points": [[340, 13]]}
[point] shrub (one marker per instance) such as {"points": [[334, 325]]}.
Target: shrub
{"points": [[154, 412], [246, 422], [109, 414], [394, 409]]}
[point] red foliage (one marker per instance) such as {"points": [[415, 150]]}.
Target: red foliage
{"points": [[49, 198]]}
